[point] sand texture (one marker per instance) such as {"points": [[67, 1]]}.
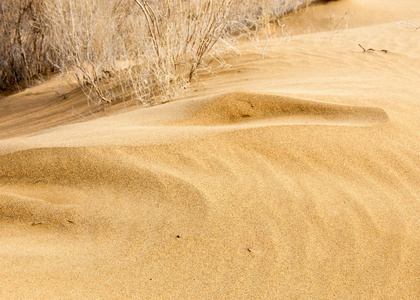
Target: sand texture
{"points": [[296, 176]]}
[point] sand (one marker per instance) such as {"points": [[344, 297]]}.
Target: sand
{"points": [[296, 176]]}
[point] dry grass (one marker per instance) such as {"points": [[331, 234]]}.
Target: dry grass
{"points": [[147, 50]]}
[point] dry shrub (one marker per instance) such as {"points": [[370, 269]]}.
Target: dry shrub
{"points": [[125, 49], [256, 13], [114, 50], [24, 50], [182, 33], [278, 8], [86, 37]]}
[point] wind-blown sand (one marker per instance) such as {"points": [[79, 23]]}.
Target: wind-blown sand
{"points": [[296, 176]]}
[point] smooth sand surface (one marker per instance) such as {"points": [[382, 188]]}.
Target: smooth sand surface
{"points": [[296, 176]]}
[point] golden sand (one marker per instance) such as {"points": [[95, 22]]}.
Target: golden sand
{"points": [[296, 176]]}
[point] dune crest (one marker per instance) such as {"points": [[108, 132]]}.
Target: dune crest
{"points": [[241, 107]]}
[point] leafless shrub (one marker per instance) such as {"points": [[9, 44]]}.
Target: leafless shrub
{"points": [[115, 50], [85, 39], [416, 27], [23, 44], [126, 49]]}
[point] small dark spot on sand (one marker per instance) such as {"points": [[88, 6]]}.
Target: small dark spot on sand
{"points": [[37, 223], [249, 249], [246, 116], [70, 221], [178, 236]]}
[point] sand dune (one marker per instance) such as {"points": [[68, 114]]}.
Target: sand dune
{"points": [[247, 107], [292, 177]]}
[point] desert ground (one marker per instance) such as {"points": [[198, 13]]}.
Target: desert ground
{"points": [[292, 174]]}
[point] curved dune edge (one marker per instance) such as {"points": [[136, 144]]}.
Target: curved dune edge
{"points": [[283, 211], [250, 108], [201, 119], [20, 209]]}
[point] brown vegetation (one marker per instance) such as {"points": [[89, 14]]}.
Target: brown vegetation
{"points": [[24, 46], [123, 49]]}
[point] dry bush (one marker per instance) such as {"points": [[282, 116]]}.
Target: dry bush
{"points": [[114, 50], [256, 13], [86, 38], [183, 32], [125, 49], [24, 51], [278, 8], [256, 18]]}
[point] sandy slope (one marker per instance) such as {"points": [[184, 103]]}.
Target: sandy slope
{"points": [[292, 177]]}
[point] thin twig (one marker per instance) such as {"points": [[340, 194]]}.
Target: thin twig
{"points": [[372, 50], [410, 24]]}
